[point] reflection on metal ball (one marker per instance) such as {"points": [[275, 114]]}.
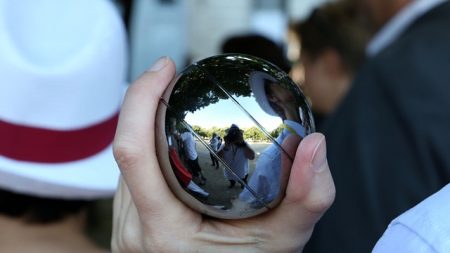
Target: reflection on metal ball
{"points": [[221, 127]]}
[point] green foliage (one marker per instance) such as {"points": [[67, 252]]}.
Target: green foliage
{"points": [[196, 89], [255, 134], [198, 85], [250, 134], [200, 131], [218, 130]]}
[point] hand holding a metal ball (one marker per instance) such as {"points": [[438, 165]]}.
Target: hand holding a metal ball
{"points": [[161, 204]]}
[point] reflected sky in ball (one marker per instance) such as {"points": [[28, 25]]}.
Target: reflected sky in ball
{"points": [[230, 114]]}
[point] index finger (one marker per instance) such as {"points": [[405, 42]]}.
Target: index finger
{"points": [[134, 144]]}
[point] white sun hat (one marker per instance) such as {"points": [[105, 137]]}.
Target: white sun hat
{"points": [[256, 81], [62, 67]]}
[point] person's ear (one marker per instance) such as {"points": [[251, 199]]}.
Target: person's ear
{"points": [[271, 98]]}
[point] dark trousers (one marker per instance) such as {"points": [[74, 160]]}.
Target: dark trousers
{"points": [[194, 167], [214, 160]]}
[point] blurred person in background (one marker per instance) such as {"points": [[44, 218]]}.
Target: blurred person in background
{"points": [[63, 68], [259, 46], [387, 140], [333, 41]]}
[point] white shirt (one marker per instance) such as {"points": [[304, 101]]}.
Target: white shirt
{"points": [[214, 143], [235, 158], [395, 27], [422, 229], [265, 180], [189, 145]]}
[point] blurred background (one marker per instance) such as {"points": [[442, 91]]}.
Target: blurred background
{"points": [[321, 44], [191, 30]]}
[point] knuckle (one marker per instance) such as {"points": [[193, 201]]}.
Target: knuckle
{"points": [[324, 200], [126, 156]]}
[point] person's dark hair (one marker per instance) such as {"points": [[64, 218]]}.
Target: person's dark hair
{"points": [[232, 134], [259, 46], [336, 25], [38, 210]]}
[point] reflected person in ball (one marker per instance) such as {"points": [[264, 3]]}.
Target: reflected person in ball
{"points": [[268, 180], [236, 153], [240, 90]]}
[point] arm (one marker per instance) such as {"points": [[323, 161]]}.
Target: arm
{"points": [[249, 153], [220, 150], [149, 218]]}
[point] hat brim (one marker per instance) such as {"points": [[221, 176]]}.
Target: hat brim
{"points": [[257, 85], [92, 178]]}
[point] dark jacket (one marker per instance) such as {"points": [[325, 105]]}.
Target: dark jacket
{"points": [[389, 140]]}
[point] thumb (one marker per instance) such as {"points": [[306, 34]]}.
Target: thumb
{"points": [[310, 190]]}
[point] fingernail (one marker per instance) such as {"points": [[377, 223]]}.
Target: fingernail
{"points": [[159, 64], [320, 156]]}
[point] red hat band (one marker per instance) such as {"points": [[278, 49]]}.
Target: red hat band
{"points": [[32, 144]]}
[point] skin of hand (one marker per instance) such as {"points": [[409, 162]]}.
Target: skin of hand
{"points": [[149, 218]]}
